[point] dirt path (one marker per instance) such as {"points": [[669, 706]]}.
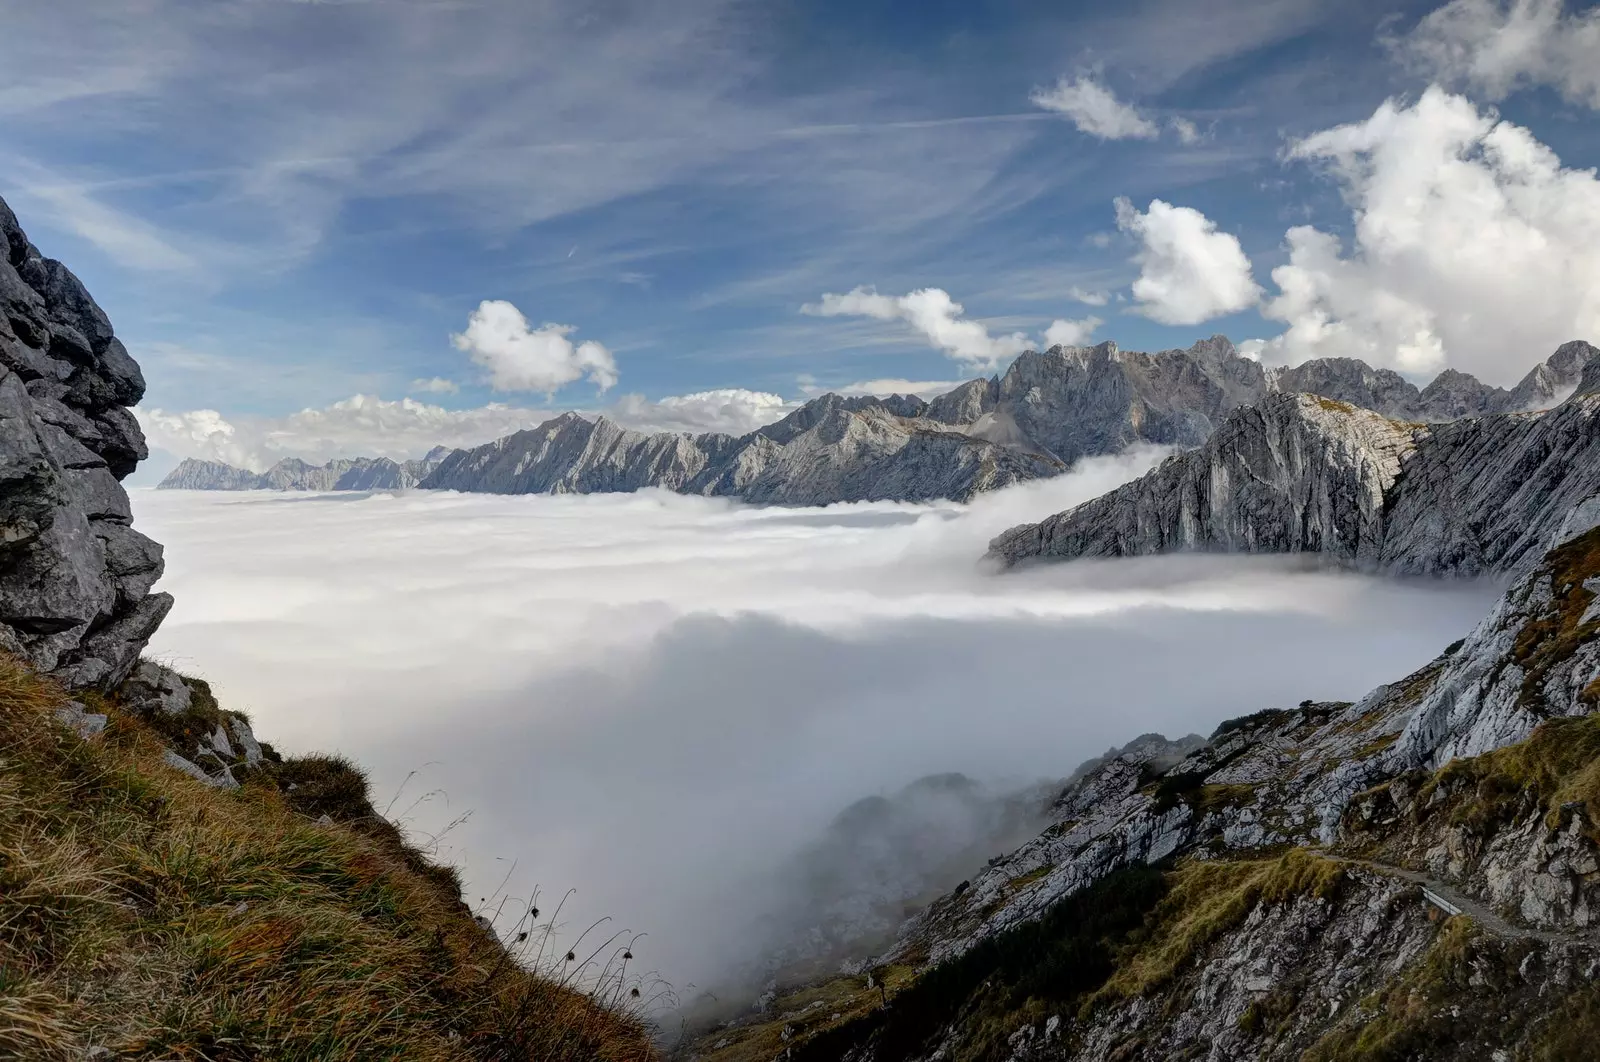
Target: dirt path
{"points": [[1479, 912]]}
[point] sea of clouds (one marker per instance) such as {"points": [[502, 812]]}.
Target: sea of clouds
{"points": [[658, 700]]}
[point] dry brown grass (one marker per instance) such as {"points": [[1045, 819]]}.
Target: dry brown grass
{"points": [[146, 912], [1206, 899]]}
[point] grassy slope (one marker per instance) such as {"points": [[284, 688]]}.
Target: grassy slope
{"points": [[146, 912]]}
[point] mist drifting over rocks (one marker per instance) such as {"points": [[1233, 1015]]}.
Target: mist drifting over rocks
{"points": [[664, 701]]}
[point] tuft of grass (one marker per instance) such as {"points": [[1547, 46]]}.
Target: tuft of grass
{"points": [[1004, 982], [1413, 1016], [1551, 638], [148, 913], [1558, 764], [1333, 405], [1253, 721], [1206, 899]]}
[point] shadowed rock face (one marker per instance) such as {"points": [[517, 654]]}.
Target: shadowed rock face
{"points": [[1300, 473], [75, 597]]}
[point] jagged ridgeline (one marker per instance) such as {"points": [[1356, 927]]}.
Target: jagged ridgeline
{"points": [[171, 887], [1412, 876], [1048, 410], [1306, 473]]}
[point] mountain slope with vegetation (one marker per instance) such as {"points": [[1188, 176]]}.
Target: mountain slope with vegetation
{"points": [[152, 914], [1415, 875], [170, 887]]}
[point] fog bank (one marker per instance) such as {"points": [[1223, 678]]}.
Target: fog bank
{"points": [[658, 700]]}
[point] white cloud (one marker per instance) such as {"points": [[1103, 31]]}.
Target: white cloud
{"points": [[1473, 247], [1089, 298], [436, 385], [1251, 348], [368, 426], [1071, 333], [924, 389], [125, 238], [521, 358], [730, 410], [932, 312], [938, 317], [1189, 272], [614, 667], [1095, 110], [1185, 130], [1496, 47], [359, 426]]}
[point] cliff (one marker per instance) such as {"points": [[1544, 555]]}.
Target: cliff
{"points": [[1306, 474], [171, 886], [75, 599], [1330, 881]]}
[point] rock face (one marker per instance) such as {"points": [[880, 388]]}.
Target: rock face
{"points": [[75, 577], [832, 449], [1048, 410], [358, 473], [1300, 473], [1297, 874]]}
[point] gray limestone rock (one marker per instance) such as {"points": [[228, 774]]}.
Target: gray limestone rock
{"points": [[76, 595], [1298, 473]]}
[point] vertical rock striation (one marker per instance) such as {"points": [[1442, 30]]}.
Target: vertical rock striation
{"points": [[1300, 473]]}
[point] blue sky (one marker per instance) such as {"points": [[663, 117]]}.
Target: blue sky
{"points": [[286, 204]]}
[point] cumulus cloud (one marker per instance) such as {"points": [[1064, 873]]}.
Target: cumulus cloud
{"points": [[522, 358], [1088, 298], [1189, 271], [437, 385], [1473, 246], [368, 426], [1496, 47], [1095, 110], [883, 387], [658, 700], [932, 312], [1071, 333], [940, 319], [731, 410]]}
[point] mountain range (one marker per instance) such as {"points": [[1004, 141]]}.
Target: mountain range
{"points": [[1049, 409], [291, 473], [1303, 473], [1412, 875]]}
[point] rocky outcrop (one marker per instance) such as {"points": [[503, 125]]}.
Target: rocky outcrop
{"points": [[1286, 890], [75, 577], [358, 473], [1305, 474], [1296, 473]]}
